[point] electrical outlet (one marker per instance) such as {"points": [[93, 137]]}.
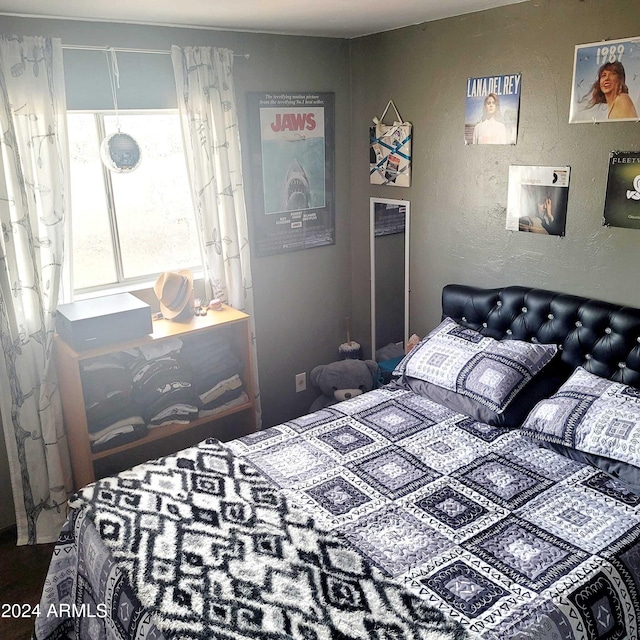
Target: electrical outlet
{"points": [[301, 382]]}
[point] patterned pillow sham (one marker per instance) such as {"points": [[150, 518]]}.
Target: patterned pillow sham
{"points": [[590, 414], [463, 361]]}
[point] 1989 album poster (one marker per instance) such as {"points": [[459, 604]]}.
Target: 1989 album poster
{"points": [[606, 81], [622, 202], [537, 199], [292, 151], [492, 107]]}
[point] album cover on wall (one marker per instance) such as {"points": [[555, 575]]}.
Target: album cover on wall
{"points": [[537, 199], [606, 81], [622, 201], [492, 108]]}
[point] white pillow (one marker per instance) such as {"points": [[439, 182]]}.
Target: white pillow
{"points": [[464, 361], [590, 414]]}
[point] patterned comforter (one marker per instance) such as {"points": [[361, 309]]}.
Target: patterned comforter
{"points": [[386, 516]]}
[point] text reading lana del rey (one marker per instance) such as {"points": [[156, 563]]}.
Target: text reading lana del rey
{"points": [[500, 85]]}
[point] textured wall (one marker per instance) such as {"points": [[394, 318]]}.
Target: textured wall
{"points": [[458, 194]]}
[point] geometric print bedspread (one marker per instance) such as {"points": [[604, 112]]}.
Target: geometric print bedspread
{"points": [[511, 539], [385, 517], [200, 545]]}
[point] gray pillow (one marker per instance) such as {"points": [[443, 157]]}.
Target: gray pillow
{"points": [[627, 474], [477, 367], [542, 386], [590, 414]]}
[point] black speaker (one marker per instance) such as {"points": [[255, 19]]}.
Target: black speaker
{"points": [[100, 321]]}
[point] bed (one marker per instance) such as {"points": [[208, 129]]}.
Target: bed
{"points": [[406, 512]]}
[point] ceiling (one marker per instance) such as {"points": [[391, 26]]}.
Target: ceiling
{"points": [[328, 18]]}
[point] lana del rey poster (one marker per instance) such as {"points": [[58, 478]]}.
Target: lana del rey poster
{"points": [[292, 137]]}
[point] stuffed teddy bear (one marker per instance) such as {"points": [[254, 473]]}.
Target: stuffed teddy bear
{"points": [[342, 380]]}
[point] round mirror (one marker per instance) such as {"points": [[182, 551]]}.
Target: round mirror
{"points": [[120, 152]]}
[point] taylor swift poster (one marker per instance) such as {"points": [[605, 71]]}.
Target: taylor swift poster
{"points": [[622, 202], [537, 199], [492, 106], [606, 82]]}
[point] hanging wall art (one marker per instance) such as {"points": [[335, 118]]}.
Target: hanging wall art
{"points": [[537, 199], [292, 152], [606, 82], [622, 201], [390, 150], [491, 109]]}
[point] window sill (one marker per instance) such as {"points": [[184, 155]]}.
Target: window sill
{"points": [[139, 286]]}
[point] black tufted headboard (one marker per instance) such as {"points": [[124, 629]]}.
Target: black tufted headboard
{"points": [[601, 337]]}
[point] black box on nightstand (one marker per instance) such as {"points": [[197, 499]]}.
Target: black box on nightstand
{"points": [[98, 321]]}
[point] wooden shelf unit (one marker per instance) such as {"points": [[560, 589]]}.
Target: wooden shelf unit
{"points": [[68, 368]]}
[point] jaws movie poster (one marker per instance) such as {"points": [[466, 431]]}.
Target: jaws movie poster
{"points": [[292, 151]]}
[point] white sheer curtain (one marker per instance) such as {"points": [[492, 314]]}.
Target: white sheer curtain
{"points": [[33, 212], [208, 114]]}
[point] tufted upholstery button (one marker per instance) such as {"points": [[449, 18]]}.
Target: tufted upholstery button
{"points": [[499, 303], [587, 356], [509, 332], [463, 319], [622, 365], [484, 324], [551, 316], [607, 330], [524, 309], [560, 347], [534, 339]]}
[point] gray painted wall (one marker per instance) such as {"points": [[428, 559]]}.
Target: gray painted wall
{"points": [[458, 194]]}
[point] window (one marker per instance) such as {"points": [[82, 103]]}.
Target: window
{"points": [[129, 227]]}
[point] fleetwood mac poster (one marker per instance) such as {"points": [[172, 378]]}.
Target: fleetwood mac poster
{"points": [[492, 107], [622, 202], [292, 151], [606, 81]]}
